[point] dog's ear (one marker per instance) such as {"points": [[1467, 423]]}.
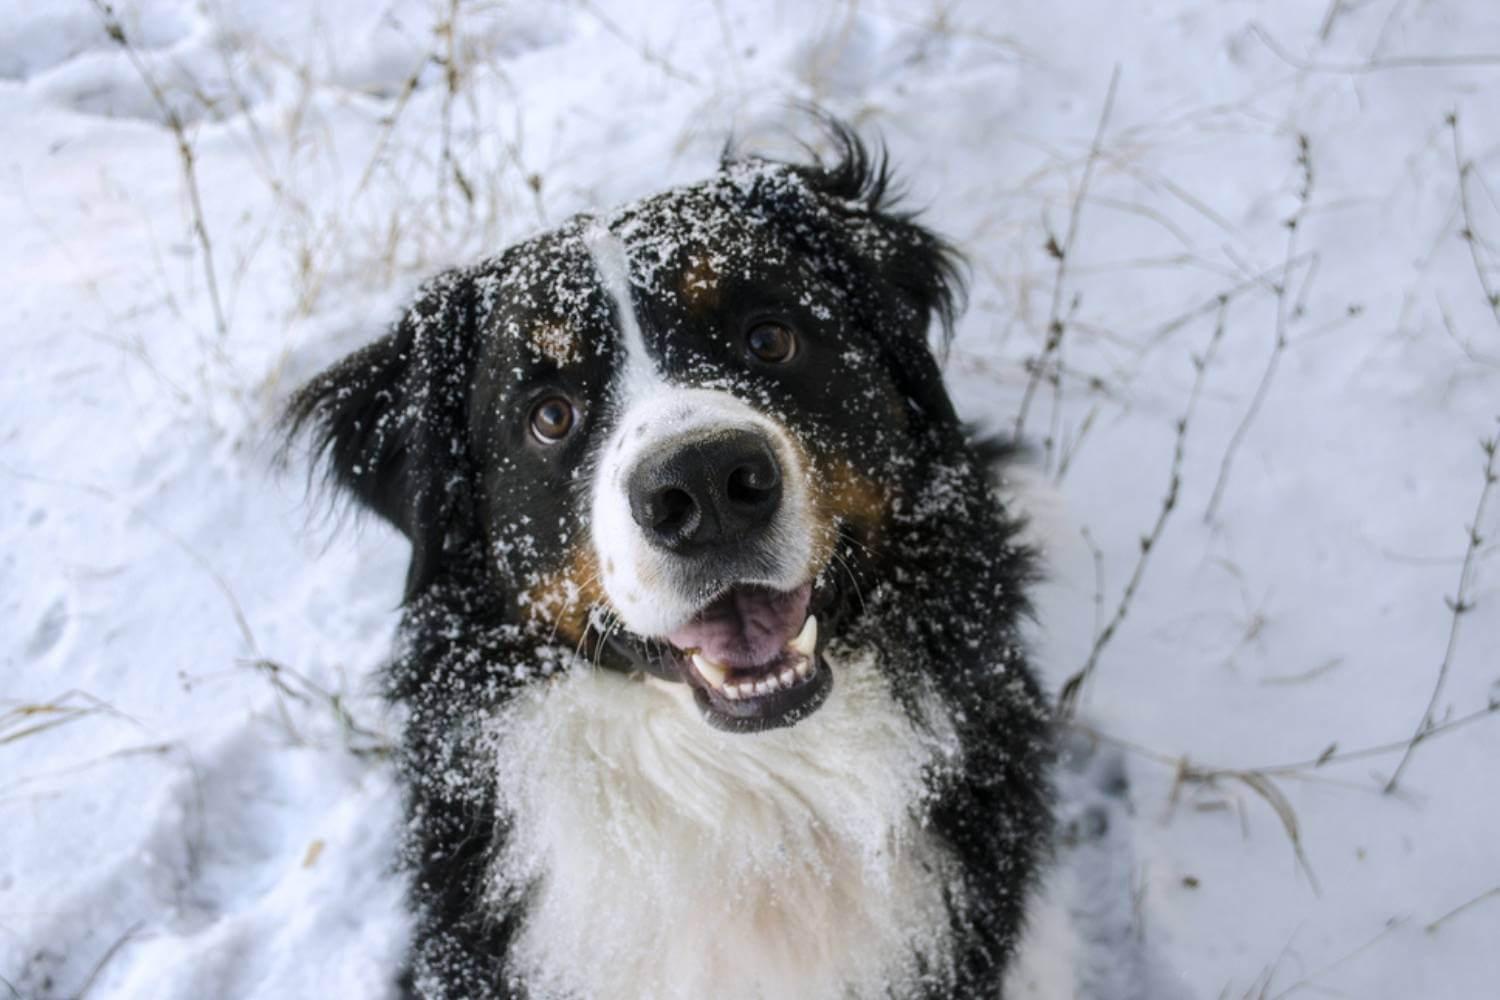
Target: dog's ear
{"points": [[905, 275], [918, 277], [388, 423]]}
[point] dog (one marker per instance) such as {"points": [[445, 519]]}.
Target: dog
{"points": [[710, 655]]}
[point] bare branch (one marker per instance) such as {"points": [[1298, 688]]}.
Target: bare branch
{"points": [[1056, 323], [1459, 605], [185, 156], [1480, 59], [1072, 689], [1469, 234], [1432, 928], [1283, 288]]}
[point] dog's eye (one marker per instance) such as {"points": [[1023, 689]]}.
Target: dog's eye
{"points": [[552, 419], [772, 343]]}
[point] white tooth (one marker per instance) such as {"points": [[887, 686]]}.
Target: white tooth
{"points": [[764, 687], [806, 642], [709, 670], [788, 677], [804, 668], [746, 690], [732, 692]]}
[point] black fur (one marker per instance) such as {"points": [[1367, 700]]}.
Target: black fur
{"points": [[399, 426], [386, 427]]}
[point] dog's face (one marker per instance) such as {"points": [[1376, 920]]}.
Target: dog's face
{"points": [[677, 433]]}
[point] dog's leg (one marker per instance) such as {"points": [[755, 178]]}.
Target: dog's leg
{"points": [[995, 822]]}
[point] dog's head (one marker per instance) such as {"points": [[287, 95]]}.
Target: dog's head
{"points": [[677, 433]]}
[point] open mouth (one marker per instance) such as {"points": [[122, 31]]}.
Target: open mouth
{"points": [[751, 657]]}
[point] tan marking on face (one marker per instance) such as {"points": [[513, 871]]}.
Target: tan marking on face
{"points": [[844, 496], [699, 284], [559, 603], [555, 342]]}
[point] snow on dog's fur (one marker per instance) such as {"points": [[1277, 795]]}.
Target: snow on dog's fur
{"points": [[711, 650]]}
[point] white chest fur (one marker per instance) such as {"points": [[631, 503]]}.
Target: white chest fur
{"points": [[674, 861]]}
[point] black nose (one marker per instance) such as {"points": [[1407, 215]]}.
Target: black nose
{"points": [[716, 490]]}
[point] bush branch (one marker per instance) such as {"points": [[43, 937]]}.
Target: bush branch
{"points": [[1469, 234], [185, 156], [1459, 606], [1072, 689], [1056, 324], [1283, 287]]}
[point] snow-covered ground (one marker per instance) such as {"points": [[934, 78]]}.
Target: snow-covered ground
{"points": [[192, 799]]}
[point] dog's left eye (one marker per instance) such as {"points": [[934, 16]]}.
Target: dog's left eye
{"points": [[552, 419], [773, 343]]}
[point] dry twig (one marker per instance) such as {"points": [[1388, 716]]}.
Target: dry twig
{"points": [[1073, 687], [25, 719], [1056, 324], [1432, 928], [285, 681], [185, 155], [1283, 288], [1459, 605], [1469, 234], [1478, 59]]}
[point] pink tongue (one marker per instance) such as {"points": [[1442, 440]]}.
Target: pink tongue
{"points": [[747, 627]]}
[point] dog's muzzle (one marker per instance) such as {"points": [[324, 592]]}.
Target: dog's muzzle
{"points": [[711, 570]]}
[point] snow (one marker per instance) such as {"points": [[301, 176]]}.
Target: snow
{"points": [[189, 801]]}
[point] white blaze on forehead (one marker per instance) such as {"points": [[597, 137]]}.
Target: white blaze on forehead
{"points": [[612, 262]]}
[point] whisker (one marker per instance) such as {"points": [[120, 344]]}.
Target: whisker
{"points": [[853, 580]]}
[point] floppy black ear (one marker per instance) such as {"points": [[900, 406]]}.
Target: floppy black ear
{"points": [[906, 275], [388, 424]]}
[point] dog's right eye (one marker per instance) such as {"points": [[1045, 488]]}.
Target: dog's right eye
{"points": [[552, 419], [771, 342]]}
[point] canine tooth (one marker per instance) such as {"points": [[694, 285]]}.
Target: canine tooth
{"points": [[804, 668], [709, 670], [806, 642], [788, 677]]}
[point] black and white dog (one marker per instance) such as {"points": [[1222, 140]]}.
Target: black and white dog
{"points": [[710, 649]]}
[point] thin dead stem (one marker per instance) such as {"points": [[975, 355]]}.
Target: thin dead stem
{"points": [[1433, 927], [1262, 780], [447, 30], [25, 719], [1283, 288], [388, 127], [646, 52], [1469, 234], [1329, 757], [1478, 59], [286, 682], [105, 958], [1312, 977], [185, 156], [1072, 689], [1459, 605], [308, 693], [1063, 254], [1261, 280]]}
